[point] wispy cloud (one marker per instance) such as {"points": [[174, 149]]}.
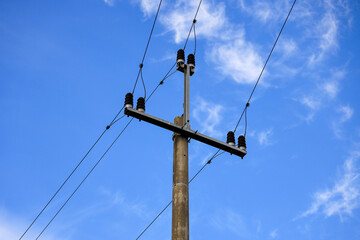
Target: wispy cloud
{"points": [[208, 116], [346, 112], [148, 7], [344, 197], [265, 11], [211, 19], [237, 59], [11, 227], [109, 2], [274, 233], [229, 220], [264, 137]]}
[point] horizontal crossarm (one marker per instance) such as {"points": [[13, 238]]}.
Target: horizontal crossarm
{"points": [[185, 132]]}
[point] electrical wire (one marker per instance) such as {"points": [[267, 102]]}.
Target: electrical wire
{"points": [[112, 144], [163, 210], [142, 79], [107, 128], [193, 24], [147, 46], [266, 62], [244, 111], [115, 119], [194, 40]]}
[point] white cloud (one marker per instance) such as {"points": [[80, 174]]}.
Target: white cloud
{"points": [[346, 112], [264, 136], [210, 20], [331, 88], [311, 102], [265, 11], [148, 7], [12, 227], [109, 2], [327, 33], [238, 60], [209, 116], [344, 197], [229, 220], [274, 233]]}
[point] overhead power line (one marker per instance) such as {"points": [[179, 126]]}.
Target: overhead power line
{"points": [[87, 175], [102, 134], [146, 49], [244, 111], [115, 119], [263, 69]]}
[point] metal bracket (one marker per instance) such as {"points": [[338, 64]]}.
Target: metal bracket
{"points": [[185, 132]]}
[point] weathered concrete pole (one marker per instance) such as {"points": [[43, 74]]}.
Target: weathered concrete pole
{"points": [[180, 207]]}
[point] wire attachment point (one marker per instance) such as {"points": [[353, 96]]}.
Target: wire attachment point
{"points": [[107, 127]]}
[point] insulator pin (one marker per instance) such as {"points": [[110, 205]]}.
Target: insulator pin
{"points": [[230, 139], [140, 106], [191, 60], [242, 142], [180, 60], [129, 102], [191, 63]]}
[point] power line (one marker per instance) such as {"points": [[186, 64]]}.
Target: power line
{"points": [[266, 62], [115, 119], [102, 134], [146, 49], [244, 111], [87, 175], [163, 210]]}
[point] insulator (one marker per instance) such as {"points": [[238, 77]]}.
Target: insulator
{"points": [[129, 102], [180, 60], [242, 142], [191, 60], [140, 106], [230, 139]]}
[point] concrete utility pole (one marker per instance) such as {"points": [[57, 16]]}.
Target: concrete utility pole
{"points": [[182, 132], [180, 209]]}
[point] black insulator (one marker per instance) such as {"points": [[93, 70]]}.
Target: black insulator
{"points": [[230, 139], [247, 104], [242, 142], [141, 65], [194, 21], [107, 127], [191, 60], [180, 56], [129, 102], [140, 106]]}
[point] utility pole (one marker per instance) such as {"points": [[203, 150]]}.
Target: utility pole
{"points": [[181, 136], [180, 197], [180, 209]]}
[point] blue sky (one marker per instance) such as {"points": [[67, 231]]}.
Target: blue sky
{"points": [[66, 66]]}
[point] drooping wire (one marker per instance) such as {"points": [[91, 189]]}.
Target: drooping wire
{"points": [[163, 210], [245, 121], [142, 79], [266, 62], [194, 38], [112, 144], [147, 46], [193, 24]]}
